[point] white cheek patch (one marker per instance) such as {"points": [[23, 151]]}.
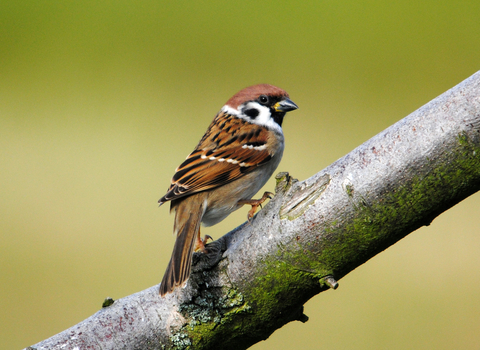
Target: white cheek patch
{"points": [[264, 117], [230, 110]]}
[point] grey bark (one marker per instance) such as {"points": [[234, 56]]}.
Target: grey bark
{"points": [[257, 277]]}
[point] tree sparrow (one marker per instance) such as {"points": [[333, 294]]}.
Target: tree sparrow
{"points": [[239, 152]]}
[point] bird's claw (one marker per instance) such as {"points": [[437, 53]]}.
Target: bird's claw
{"points": [[255, 203], [200, 243]]}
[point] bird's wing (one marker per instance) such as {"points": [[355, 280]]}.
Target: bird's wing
{"points": [[230, 148]]}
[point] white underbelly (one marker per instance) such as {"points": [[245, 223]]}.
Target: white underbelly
{"points": [[244, 188]]}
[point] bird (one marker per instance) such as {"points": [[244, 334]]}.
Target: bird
{"points": [[236, 156]]}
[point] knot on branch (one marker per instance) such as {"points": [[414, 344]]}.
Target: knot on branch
{"points": [[299, 195]]}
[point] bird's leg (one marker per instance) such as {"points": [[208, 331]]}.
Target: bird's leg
{"points": [[255, 203], [200, 243]]}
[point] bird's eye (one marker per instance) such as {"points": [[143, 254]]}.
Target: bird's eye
{"points": [[263, 99]]}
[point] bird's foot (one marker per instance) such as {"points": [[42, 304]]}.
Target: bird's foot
{"points": [[255, 203], [200, 243]]}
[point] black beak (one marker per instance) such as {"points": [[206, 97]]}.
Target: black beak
{"points": [[285, 105]]}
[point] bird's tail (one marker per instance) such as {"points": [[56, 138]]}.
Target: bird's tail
{"points": [[187, 227]]}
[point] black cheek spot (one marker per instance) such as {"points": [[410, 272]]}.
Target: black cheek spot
{"points": [[252, 112]]}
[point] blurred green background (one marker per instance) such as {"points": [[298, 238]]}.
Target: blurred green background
{"points": [[101, 100]]}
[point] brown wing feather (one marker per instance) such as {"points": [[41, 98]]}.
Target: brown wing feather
{"points": [[230, 148]]}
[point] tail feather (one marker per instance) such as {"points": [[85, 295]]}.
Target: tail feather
{"points": [[187, 226]]}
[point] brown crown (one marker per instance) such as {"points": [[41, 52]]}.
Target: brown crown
{"points": [[253, 92]]}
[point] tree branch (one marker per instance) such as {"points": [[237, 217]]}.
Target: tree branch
{"points": [[257, 277]]}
